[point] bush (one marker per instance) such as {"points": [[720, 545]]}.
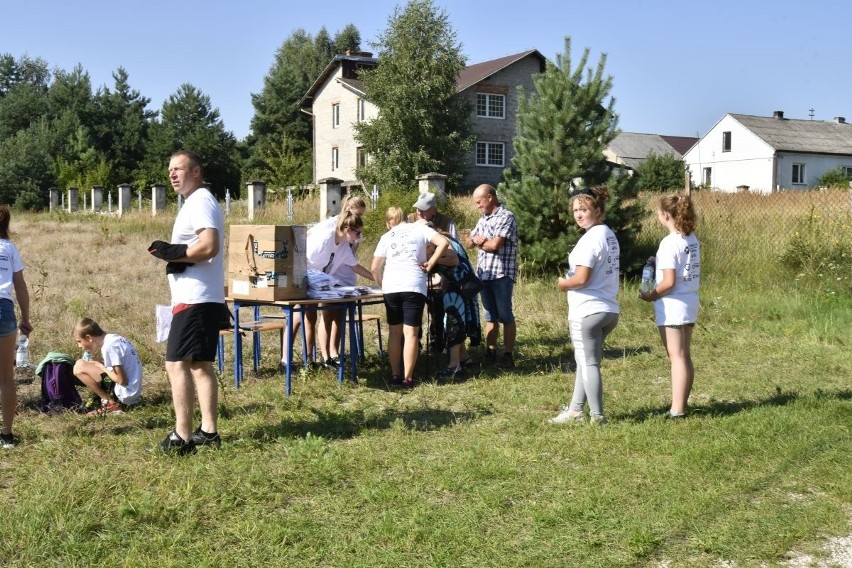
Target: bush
{"points": [[661, 173], [834, 178]]}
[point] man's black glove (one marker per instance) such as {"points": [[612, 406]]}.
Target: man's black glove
{"points": [[177, 267], [167, 251]]}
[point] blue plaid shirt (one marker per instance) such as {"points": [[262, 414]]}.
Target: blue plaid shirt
{"points": [[504, 262]]}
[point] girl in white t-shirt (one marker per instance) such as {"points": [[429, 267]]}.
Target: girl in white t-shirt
{"points": [[675, 296], [12, 286], [328, 343], [592, 287]]}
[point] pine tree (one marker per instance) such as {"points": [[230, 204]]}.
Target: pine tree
{"points": [[422, 126], [562, 130]]}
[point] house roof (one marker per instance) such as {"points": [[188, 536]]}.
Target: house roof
{"points": [[337, 61], [681, 144], [795, 135], [478, 72], [469, 76], [633, 148]]}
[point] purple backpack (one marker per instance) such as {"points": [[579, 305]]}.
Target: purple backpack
{"points": [[58, 392]]}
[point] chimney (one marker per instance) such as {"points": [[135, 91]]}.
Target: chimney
{"points": [[778, 115], [840, 119]]}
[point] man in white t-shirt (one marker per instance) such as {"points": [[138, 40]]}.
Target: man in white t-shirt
{"points": [[197, 281]]}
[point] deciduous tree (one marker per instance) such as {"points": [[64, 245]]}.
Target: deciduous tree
{"points": [[422, 126]]}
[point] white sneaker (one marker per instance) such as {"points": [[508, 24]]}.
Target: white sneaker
{"points": [[567, 416]]}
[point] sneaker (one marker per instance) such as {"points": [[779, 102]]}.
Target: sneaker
{"points": [[598, 420], [490, 356], [332, 363], [451, 372], [396, 380], [8, 441], [468, 363], [568, 416], [507, 361], [408, 383], [670, 416], [174, 444], [107, 407], [202, 438]]}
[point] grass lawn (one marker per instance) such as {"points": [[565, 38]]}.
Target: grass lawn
{"points": [[464, 473]]}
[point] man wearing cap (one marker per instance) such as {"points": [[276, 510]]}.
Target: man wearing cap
{"points": [[495, 236], [426, 209]]}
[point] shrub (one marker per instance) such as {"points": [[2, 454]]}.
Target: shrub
{"points": [[834, 178]]}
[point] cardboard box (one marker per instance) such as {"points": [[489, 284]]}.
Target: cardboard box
{"points": [[268, 262]]}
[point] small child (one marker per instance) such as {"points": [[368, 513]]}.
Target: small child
{"points": [[120, 364], [675, 295]]}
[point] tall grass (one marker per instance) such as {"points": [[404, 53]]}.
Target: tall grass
{"points": [[465, 473]]}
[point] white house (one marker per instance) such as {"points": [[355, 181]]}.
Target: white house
{"points": [[337, 101], [766, 154]]}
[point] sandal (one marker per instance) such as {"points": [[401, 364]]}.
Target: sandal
{"points": [[396, 380]]}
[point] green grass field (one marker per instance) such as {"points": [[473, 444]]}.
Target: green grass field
{"points": [[465, 473]]}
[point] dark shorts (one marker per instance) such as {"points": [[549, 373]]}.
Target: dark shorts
{"points": [[405, 308], [194, 334], [8, 323]]}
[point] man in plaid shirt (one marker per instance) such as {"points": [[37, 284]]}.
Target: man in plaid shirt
{"points": [[496, 238]]}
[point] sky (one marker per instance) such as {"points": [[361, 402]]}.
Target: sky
{"points": [[677, 66]]}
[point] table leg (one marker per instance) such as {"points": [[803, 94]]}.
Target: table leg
{"points": [[238, 348]]}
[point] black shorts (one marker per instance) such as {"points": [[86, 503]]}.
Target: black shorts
{"points": [[194, 334], [405, 308]]}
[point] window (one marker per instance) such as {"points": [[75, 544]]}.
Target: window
{"points": [[799, 173], [335, 159], [335, 115], [490, 154], [362, 111], [361, 157], [708, 178], [847, 171], [490, 106], [726, 141]]}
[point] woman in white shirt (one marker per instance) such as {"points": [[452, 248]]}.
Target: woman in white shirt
{"points": [[675, 295], [400, 266], [592, 287]]}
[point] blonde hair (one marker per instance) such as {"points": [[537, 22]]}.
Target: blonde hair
{"points": [[394, 215], [680, 209], [353, 201]]}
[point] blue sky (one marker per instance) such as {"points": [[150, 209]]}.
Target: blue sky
{"points": [[677, 67]]}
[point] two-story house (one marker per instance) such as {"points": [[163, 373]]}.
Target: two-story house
{"points": [[769, 153], [337, 100]]}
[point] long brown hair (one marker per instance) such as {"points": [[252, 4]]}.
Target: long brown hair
{"points": [[5, 218], [680, 209]]}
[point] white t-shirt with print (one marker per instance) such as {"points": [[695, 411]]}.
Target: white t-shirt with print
{"points": [[118, 350], [321, 247], [343, 273], [10, 262], [203, 281], [404, 251], [680, 305], [597, 249]]}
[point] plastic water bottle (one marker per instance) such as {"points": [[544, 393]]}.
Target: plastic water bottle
{"points": [[22, 355], [87, 355], [648, 280]]}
